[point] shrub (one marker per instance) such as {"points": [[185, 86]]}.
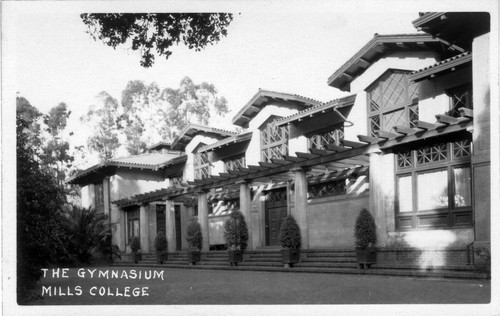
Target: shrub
{"points": [[135, 245], [365, 229], [194, 236], [236, 231], [290, 233], [160, 242]]}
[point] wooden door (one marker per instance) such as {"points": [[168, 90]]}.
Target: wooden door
{"points": [[276, 210], [161, 225]]}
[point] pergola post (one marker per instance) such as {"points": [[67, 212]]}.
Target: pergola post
{"points": [[203, 219], [245, 208], [299, 212], [144, 227], [170, 225]]}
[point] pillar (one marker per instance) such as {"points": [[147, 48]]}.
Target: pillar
{"points": [[144, 228], [170, 225], [203, 219], [245, 208], [106, 198], [299, 212]]}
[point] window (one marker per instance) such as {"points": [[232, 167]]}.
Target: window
{"points": [[132, 224], [337, 187], [460, 97], [392, 101], [274, 141], [202, 164], [99, 197], [434, 186], [332, 137], [234, 162], [176, 181]]}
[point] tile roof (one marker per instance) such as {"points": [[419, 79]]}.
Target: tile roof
{"points": [[446, 64], [337, 103], [377, 47], [262, 98], [226, 141], [191, 130]]}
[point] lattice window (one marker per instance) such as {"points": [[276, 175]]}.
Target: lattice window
{"points": [[337, 187], [434, 186], [235, 162], [333, 137], [430, 154], [202, 165], [274, 141], [276, 196], [460, 97], [405, 159], [176, 181], [462, 148], [392, 102]]}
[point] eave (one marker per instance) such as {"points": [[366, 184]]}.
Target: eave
{"points": [[244, 137], [445, 66], [380, 46], [191, 130], [263, 98]]}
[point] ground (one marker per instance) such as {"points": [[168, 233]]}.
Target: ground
{"points": [[186, 287]]}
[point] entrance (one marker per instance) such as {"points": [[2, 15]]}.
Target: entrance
{"points": [[276, 210]]}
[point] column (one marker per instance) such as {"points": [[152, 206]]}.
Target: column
{"points": [[203, 219], [106, 193], [144, 228], [170, 225], [299, 212], [245, 208]]}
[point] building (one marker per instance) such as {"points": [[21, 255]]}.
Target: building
{"points": [[410, 143]]}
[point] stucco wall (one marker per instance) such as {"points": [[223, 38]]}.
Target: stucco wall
{"points": [[331, 220], [188, 174], [128, 182]]}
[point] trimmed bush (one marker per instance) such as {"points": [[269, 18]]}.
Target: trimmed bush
{"points": [[290, 233], [160, 242], [236, 232], [135, 245], [194, 236], [365, 229]]}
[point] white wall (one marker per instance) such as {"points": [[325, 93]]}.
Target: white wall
{"points": [[190, 147]]}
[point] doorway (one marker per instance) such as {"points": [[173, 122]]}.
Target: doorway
{"points": [[276, 210]]}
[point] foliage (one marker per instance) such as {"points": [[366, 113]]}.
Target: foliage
{"points": [[40, 238], [365, 229], [160, 242], [289, 233], [148, 115], [485, 257], [194, 236], [103, 121], [157, 32], [135, 244], [236, 232], [89, 233]]}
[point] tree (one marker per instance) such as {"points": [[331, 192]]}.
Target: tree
{"points": [[32, 117], [89, 233], [103, 121], [40, 238], [157, 32]]}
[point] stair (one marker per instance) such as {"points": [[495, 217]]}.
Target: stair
{"points": [[341, 261]]}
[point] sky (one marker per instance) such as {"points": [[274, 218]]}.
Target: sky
{"points": [[287, 51]]}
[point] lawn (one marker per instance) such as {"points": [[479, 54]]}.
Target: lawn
{"points": [[185, 286]]}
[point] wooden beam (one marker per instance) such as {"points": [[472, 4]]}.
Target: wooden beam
{"points": [[363, 63], [258, 168], [280, 161], [429, 126], [306, 155], [465, 112], [336, 148], [407, 130], [446, 119], [368, 139], [346, 76], [321, 152], [384, 134], [225, 175], [294, 159], [236, 172], [352, 144], [268, 164]]}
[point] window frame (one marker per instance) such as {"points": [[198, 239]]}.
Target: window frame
{"points": [[452, 92], [451, 211], [316, 140], [99, 197], [234, 162], [133, 215], [409, 105], [202, 169], [267, 147]]}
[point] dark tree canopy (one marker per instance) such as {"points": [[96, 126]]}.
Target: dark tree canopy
{"points": [[157, 32]]}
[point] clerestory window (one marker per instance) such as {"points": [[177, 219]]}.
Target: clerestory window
{"points": [[202, 165], [274, 142], [392, 101]]}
